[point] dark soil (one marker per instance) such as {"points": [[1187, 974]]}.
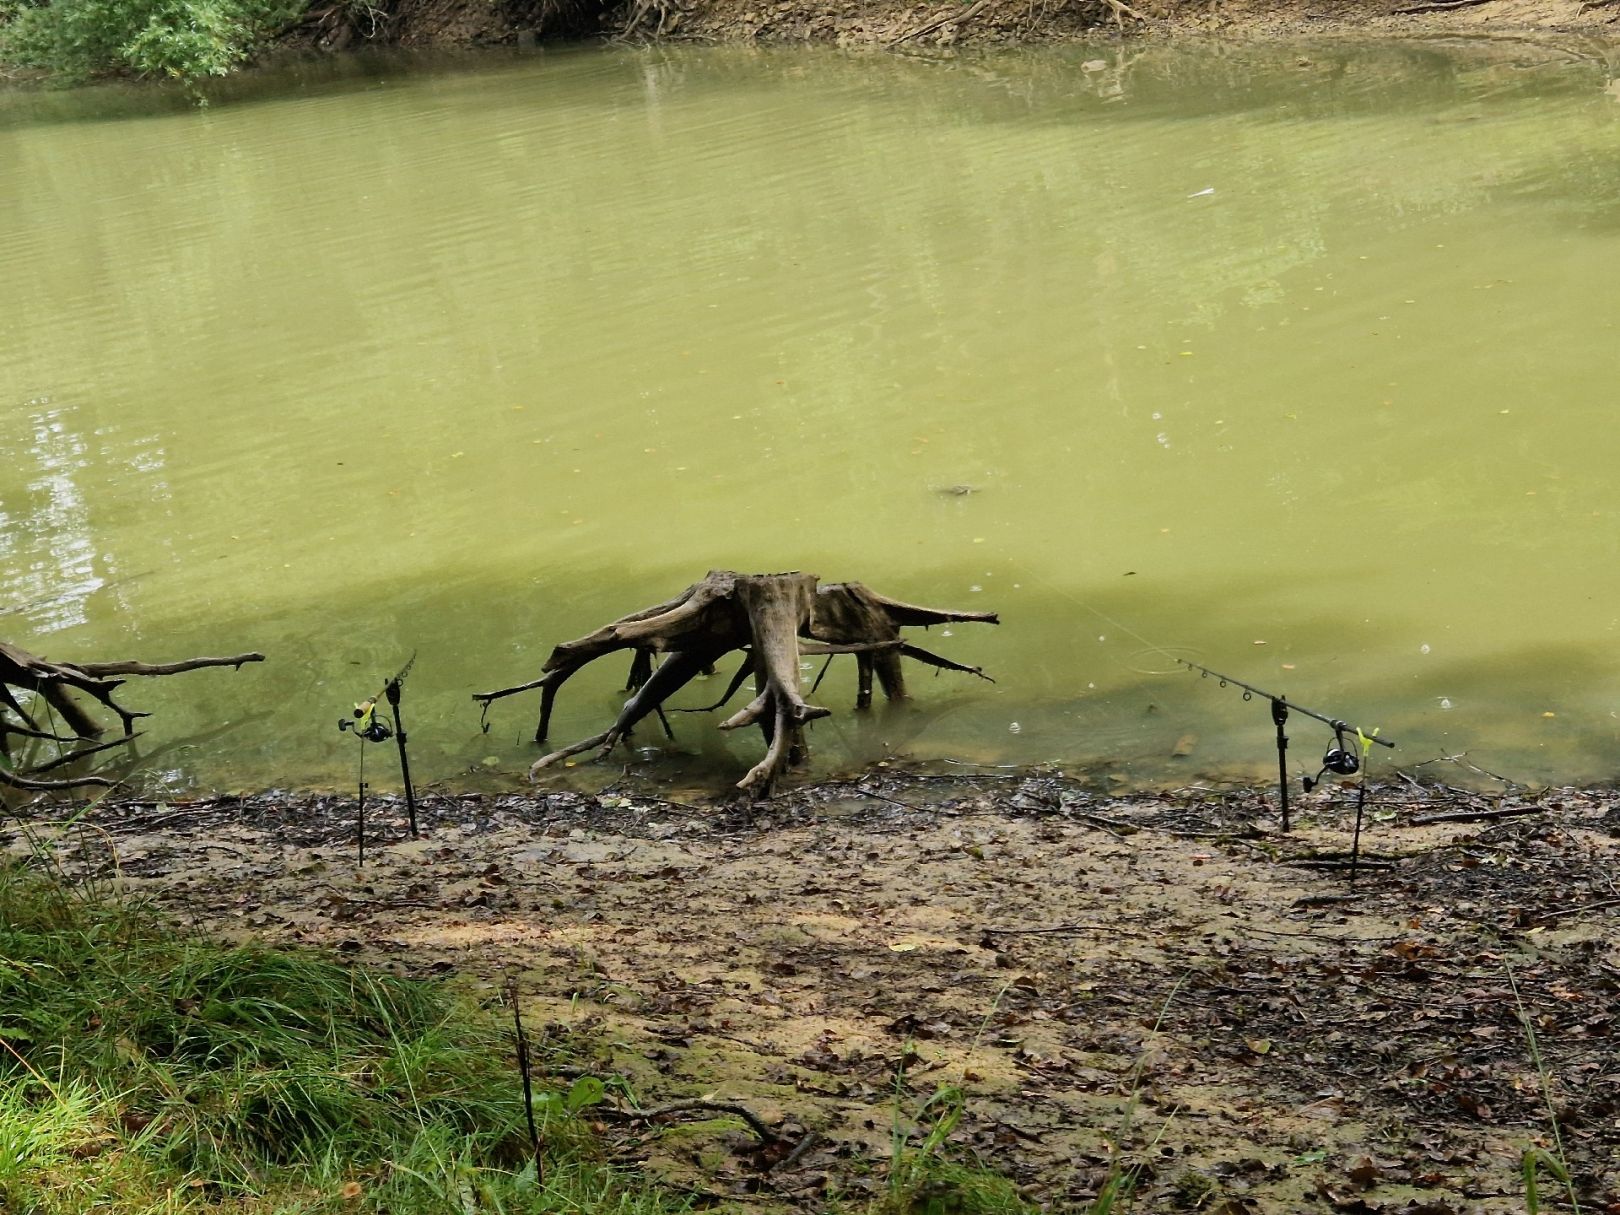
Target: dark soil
{"points": [[1289, 1040]]}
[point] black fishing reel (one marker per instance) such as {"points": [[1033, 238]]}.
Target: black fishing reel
{"points": [[366, 723], [1339, 759]]}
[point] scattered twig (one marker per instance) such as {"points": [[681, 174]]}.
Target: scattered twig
{"points": [[766, 1135], [792, 1158], [1236, 835], [1474, 816], [1326, 900], [123, 805], [1568, 911], [1319, 936], [1058, 929], [880, 797], [1441, 6], [1115, 827]]}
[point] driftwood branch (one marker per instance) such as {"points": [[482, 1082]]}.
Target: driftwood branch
{"points": [[7, 727], [58, 686], [61, 761], [487, 697], [934, 660], [673, 674], [12, 780], [100, 670], [792, 1158]]}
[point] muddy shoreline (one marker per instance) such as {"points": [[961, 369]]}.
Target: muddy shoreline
{"points": [[1293, 1040]]}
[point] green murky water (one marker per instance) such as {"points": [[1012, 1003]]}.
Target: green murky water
{"points": [[1301, 362]]}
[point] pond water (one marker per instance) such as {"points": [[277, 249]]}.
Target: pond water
{"points": [[1296, 361]]}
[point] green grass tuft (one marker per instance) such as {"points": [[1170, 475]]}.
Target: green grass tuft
{"points": [[142, 1070]]}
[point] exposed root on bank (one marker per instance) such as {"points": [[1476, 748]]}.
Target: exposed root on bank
{"points": [[651, 18], [979, 6], [1121, 10], [1116, 9]]}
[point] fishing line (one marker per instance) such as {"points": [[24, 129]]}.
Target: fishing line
{"points": [[1149, 646], [1338, 759], [1142, 669], [50, 719]]}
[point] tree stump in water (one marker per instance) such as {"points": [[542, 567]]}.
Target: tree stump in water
{"points": [[775, 619], [58, 685]]}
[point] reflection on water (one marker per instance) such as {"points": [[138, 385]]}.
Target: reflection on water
{"points": [[47, 544], [1295, 361]]}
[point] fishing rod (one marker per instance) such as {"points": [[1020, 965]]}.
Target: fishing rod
{"points": [[1339, 759], [368, 727], [392, 690], [1338, 724]]}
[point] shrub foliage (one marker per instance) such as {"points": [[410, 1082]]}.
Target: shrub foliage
{"points": [[178, 39]]}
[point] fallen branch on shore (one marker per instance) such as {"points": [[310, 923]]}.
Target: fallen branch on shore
{"points": [[29, 683]]}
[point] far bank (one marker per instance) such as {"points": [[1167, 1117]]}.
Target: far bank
{"points": [[906, 25]]}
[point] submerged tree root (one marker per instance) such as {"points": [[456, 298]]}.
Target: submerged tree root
{"points": [[27, 683], [774, 619]]}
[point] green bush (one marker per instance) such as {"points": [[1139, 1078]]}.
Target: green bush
{"points": [[178, 39]]}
